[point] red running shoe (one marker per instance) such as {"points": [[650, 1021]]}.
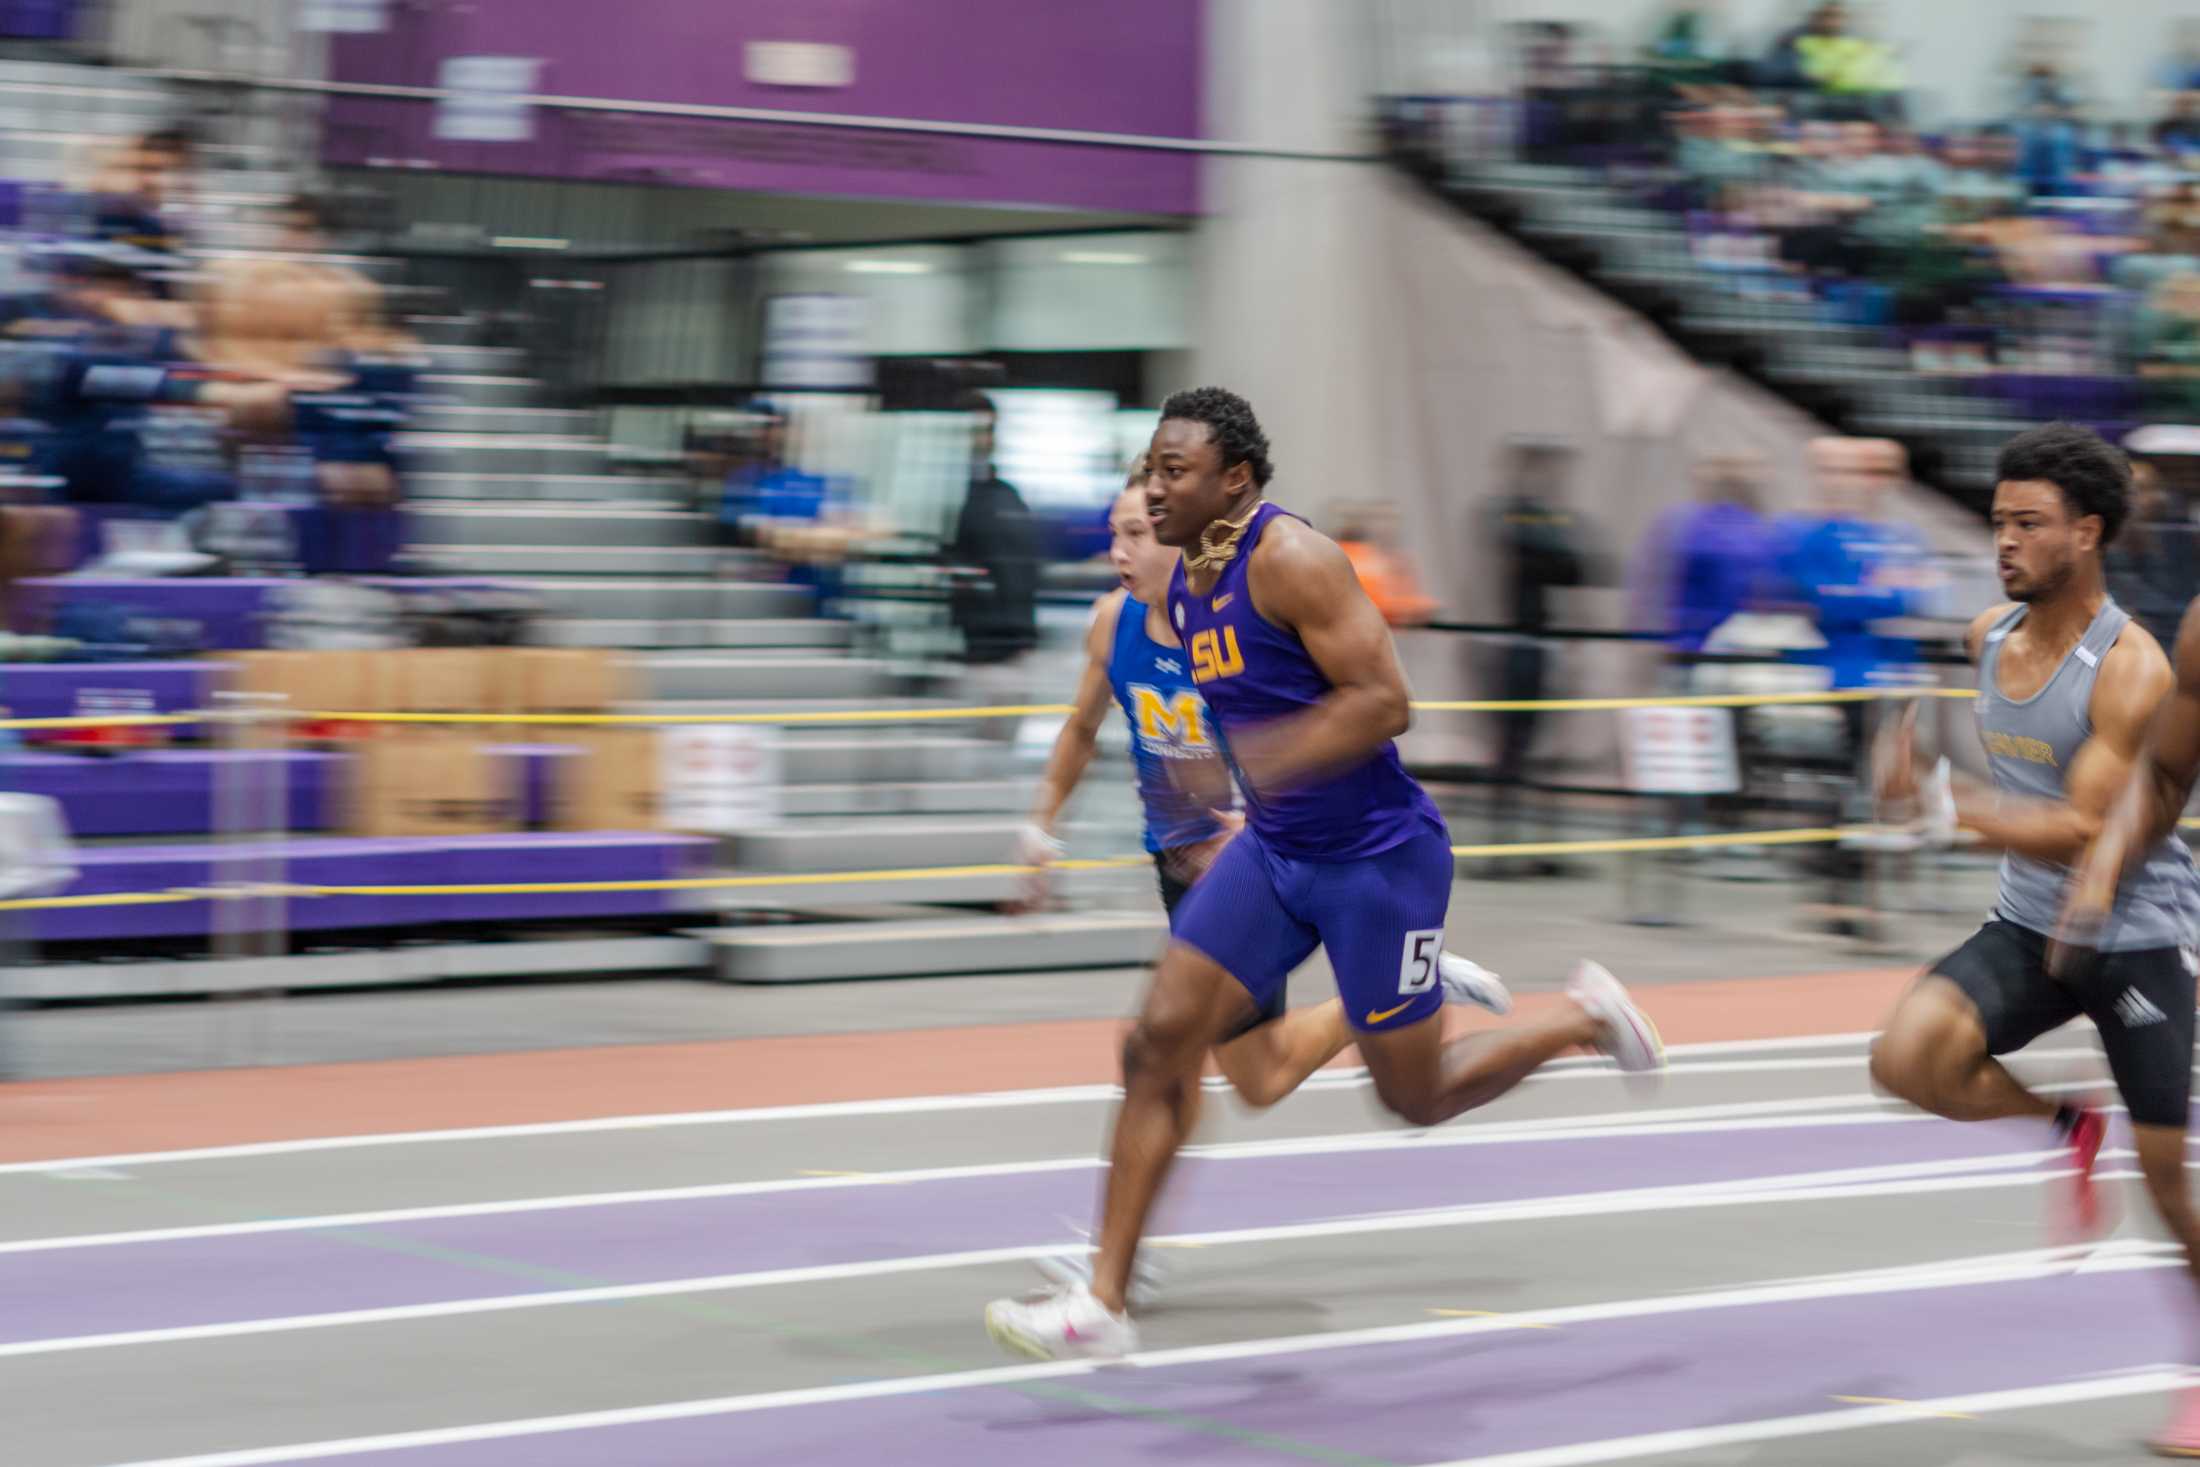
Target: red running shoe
{"points": [[2087, 1215], [2181, 1438]]}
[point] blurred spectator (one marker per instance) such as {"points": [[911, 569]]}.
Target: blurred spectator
{"points": [[1858, 76], [763, 491], [1368, 535], [1707, 561], [2047, 124], [132, 418], [1854, 565], [768, 504], [997, 609], [1855, 568], [1556, 90], [2178, 133], [1783, 63], [1540, 548], [2166, 344], [144, 189], [1690, 43]]}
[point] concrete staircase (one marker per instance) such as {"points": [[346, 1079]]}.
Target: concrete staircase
{"points": [[526, 494]]}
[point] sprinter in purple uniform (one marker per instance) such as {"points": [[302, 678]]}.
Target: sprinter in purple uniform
{"points": [[1341, 850]]}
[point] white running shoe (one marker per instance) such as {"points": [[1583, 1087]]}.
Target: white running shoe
{"points": [[1466, 981], [1625, 1031], [1068, 1324]]}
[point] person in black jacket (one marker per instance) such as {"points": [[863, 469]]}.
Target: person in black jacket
{"points": [[997, 608], [1539, 549]]}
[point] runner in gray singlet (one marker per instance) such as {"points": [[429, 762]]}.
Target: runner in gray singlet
{"points": [[2030, 746], [2068, 688]]}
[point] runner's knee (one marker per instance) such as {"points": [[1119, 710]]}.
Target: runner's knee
{"points": [[1161, 1047], [1897, 1065], [1927, 1045]]}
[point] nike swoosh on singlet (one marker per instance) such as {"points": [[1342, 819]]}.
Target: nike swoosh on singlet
{"points": [[1377, 1018], [1224, 600]]}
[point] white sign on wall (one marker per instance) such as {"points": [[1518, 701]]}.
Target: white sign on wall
{"points": [[720, 779], [1680, 751], [344, 17], [798, 64], [485, 106]]}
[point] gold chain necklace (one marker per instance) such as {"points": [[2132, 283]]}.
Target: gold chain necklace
{"points": [[1216, 551]]}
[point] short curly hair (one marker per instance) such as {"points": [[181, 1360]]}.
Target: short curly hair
{"points": [[2093, 475], [1229, 418]]}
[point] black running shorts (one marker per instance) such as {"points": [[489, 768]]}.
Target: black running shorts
{"points": [[2142, 1002]]}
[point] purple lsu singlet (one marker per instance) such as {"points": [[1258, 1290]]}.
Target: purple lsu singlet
{"points": [[1252, 672]]}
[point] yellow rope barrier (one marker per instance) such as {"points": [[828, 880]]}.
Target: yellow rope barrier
{"points": [[108, 899], [583, 720], [1617, 845], [116, 720], [1033, 710], [983, 711]]}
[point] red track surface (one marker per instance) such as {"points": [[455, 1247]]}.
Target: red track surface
{"points": [[49, 1120]]}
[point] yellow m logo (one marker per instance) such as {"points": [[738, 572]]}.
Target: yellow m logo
{"points": [[1176, 718], [1213, 658]]}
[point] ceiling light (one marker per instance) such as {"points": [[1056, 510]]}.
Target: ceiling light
{"points": [[887, 267], [529, 242], [1101, 257]]}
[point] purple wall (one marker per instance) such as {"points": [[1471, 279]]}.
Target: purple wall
{"points": [[1118, 66]]}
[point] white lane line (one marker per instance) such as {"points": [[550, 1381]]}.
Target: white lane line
{"points": [[2147, 1381], [1601, 1069], [2003, 1268], [1344, 1079], [1893, 1179], [1740, 1116]]}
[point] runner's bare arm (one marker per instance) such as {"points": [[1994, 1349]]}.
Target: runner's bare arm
{"points": [[1299, 579], [1074, 745], [2154, 792]]}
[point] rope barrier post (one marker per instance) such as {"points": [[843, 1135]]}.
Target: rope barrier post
{"points": [[1640, 905], [251, 815]]}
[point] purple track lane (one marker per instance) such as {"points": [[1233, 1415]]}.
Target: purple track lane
{"points": [[162, 1285]]}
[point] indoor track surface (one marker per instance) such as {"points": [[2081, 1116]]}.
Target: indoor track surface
{"points": [[777, 1251]]}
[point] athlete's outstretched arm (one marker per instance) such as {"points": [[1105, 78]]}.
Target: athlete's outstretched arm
{"points": [[1074, 745], [2152, 797], [2133, 682], [1299, 579]]}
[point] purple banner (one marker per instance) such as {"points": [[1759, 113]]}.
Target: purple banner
{"points": [[1132, 67]]}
